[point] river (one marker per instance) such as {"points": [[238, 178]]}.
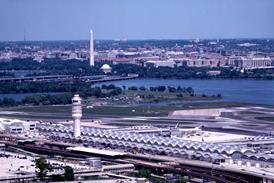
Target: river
{"points": [[248, 91]]}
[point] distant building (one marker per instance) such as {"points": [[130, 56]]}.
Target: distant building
{"points": [[160, 63], [106, 68], [17, 126], [255, 62], [203, 63], [95, 162], [214, 73]]}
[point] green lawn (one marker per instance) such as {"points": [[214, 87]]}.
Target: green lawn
{"points": [[166, 95], [140, 110]]}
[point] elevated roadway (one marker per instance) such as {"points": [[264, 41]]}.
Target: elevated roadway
{"points": [[90, 79]]}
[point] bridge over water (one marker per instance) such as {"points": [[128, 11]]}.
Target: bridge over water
{"points": [[71, 78]]}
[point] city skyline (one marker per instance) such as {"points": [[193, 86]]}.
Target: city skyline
{"points": [[71, 20]]}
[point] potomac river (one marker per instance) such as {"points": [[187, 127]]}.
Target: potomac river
{"points": [[249, 91]]}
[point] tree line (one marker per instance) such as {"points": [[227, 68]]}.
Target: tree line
{"points": [[83, 88], [81, 68], [162, 88], [44, 167], [48, 94]]}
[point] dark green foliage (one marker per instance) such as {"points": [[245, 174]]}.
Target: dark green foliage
{"points": [[133, 88], [146, 173], [8, 102], [142, 88], [161, 88], [43, 166], [46, 87], [108, 87], [153, 88], [64, 95], [82, 68], [69, 173], [171, 89], [189, 90], [57, 178], [45, 99]]}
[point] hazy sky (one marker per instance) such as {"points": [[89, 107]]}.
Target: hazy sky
{"points": [[135, 19]]}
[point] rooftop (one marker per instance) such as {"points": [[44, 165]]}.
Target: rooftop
{"points": [[96, 151]]}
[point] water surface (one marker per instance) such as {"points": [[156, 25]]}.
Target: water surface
{"points": [[249, 91]]}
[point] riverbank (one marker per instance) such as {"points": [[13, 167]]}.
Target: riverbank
{"points": [[243, 91]]}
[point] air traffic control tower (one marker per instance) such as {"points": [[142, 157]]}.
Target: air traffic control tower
{"points": [[76, 115]]}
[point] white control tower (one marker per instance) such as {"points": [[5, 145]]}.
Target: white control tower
{"points": [[76, 115]]}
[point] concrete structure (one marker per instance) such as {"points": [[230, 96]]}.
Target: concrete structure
{"points": [[106, 68], [17, 126], [203, 63], [95, 162], [214, 73], [95, 151], [160, 63], [91, 49], [255, 62], [197, 112], [153, 144], [76, 115]]}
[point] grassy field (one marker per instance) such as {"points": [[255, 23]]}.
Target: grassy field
{"points": [[60, 112], [167, 95], [40, 109]]}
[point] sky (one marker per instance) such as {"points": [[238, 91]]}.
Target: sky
{"points": [[135, 19]]}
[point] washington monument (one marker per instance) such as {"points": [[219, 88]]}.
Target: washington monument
{"points": [[91, 51]]}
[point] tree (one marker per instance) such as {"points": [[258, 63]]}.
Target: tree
{"points": [[69, 173], [180, 95], [171, 89], [183, 180], [189, 90], [152, 88], [111, 87], [179, 89], [144, 173], [116, 91], [57, 178], [161, 88], [8, 102], [133, 88], [104, 87], [43, 166], [124, 89], [142, 88]]}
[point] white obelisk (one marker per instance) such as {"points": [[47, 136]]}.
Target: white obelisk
{"points": [[91, 51]]}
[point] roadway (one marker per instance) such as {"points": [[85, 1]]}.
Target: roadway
{"points": [[91, 79]]}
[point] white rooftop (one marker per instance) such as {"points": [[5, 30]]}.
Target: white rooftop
{"points": [[96, 151]]}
